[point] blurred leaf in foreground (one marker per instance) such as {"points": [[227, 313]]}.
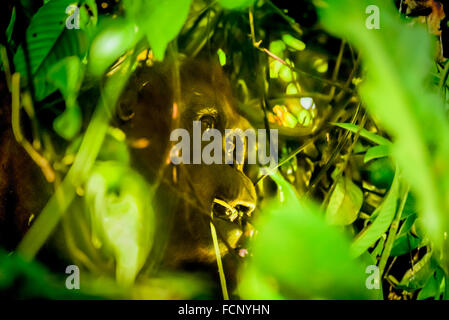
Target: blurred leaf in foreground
{"points": [[345, 202], [298, 256], [67, 75], [398, 60], [115, 38], [122, 219], [160, 21]]}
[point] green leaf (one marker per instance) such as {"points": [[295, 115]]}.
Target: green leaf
{"points": [[364, 133], [432, 287], [278, 47], [67, 75], [44, 30], [221, 57], [293, 43], [419, 274], [404, 244], [116, 37], [10, 28], [31, 280], [70, 43], [380, 172], [236, 4], [407, 225], [410, 206], [91, 143], [68, 124], [384, 216], [377, 251], [114, 147], [376, 152], [160, 20], [297, 255], [344, 203], [122, 218]]}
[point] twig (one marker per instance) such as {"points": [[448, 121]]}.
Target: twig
{"points": [[15, 123]]}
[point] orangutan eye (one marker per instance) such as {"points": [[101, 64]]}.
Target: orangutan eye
{"points": [[207, 122]]}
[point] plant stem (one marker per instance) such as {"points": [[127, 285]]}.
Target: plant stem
{"points": [[219, 263]]}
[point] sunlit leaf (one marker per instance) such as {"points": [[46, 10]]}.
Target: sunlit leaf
{"points": [[377, 152], [296, 255], [293, 43], [404, 244], [160, 21], [44, 30], [405, 106], [380, 172], [48, 41], [344, 203], [384, 216], [432, 287], [121, 215], [116, 37], [24, 279]]}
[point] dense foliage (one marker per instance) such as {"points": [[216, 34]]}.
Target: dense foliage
{"points": [[363, 175]]}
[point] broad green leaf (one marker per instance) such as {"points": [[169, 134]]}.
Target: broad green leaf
{"points": [[122, 218], [116, 37], [90, 146], [376, 152], [407, 225], [293, 43], [405, 106], [89, 17], [44, 30], [419, 274], [68, 124], [344, 203], [48, 41], [67, 75], [10, 28], [380, 172], [297, 255], [236, 4], [159, 20], [404, 244], [364, 133], [384, 216], [432, 287], [114, 148]]}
